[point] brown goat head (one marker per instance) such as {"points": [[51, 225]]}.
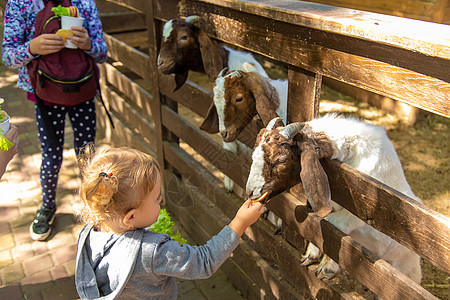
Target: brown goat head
{"points": [[285, 156], [185, 46], [238, 97]]}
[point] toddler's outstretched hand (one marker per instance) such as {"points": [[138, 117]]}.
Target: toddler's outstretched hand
{"points": [[246, 216]]}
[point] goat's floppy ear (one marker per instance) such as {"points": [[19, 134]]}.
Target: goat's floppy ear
{"points": [[212, 61], [211, 122], [314, 179], [265, 95], [180, 79]]}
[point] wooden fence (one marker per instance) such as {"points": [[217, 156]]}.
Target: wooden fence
{"points": [[428, 10], [402, 59]]}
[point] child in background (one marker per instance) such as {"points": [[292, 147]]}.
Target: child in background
{"points": [[120, 196], [18, 49]]}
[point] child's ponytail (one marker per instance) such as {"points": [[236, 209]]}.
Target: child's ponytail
{"points": [[114, 181]]}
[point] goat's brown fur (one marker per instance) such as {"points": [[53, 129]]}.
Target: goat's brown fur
{"points": [[246, 95], [189, 48], [281, 156], [294, 160]]}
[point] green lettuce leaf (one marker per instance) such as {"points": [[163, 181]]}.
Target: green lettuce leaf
{"points": [[164, 224], [61, 11], [4, 143]]}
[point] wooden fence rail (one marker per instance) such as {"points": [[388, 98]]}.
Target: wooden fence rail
{"points": [[387, 55]]}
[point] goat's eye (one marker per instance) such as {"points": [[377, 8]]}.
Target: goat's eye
{"points": [[183, 37], [239, 99]]}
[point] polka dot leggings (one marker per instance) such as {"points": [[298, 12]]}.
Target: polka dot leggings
{"points": [[82, 118]]}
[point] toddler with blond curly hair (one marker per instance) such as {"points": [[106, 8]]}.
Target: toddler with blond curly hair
{"points": [[117, 257]]}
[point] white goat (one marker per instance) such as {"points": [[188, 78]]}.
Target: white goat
{"points": [[185, 46], [284, 156]]}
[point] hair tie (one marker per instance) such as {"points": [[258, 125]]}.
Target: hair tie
{"points": [[103, 174]]}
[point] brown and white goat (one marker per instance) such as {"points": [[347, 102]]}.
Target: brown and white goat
{"points": [[241, 95], [285, 156], [185, 46]]}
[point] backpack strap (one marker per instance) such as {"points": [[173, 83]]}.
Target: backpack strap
{"points": [[99, 96]]}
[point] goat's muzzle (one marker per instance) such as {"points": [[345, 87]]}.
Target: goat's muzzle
{"points": [[164, 67], [229, 136]]}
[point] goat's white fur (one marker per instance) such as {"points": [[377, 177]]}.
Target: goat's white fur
{"points": [[167, 29], [256, 179], [244, 61], [368, 149]]}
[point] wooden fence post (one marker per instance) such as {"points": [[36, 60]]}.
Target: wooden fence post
{"points": [[159, 99], [303, 95]]}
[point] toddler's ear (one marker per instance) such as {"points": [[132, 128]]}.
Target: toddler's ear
{"points": [[130, 218]]}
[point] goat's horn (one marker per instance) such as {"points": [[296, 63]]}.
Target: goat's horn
{"points": [[197, 21], [292, 129], [222, 73], [273, 122]]}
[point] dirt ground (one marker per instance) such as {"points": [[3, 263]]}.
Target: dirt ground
{"points": [[423, 149]]}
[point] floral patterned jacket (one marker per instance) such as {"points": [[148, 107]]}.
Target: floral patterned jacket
{"points": [[20, 17]]}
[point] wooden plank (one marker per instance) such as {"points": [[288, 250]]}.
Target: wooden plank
{"points": [[416, 9], [375, 273], [303, 95], [412, 35], [154, 33], [409, 222], [122, 22], [257, 267], [190, 95], [166, 10], [123, 136], [137, 5], [135, 60], [278, 249], [438, 14], [130, 116], [227, 162], [301, 47], [136, 94], [105, 6], [133, 39]]}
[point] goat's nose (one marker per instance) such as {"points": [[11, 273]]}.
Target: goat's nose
{"points": [[250, 195], [160, 61], [224, 134]]}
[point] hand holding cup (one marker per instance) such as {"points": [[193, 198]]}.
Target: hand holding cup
{"points": [[80, 38]]}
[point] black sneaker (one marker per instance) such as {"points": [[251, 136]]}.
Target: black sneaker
{"points": [[41, 227]]}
